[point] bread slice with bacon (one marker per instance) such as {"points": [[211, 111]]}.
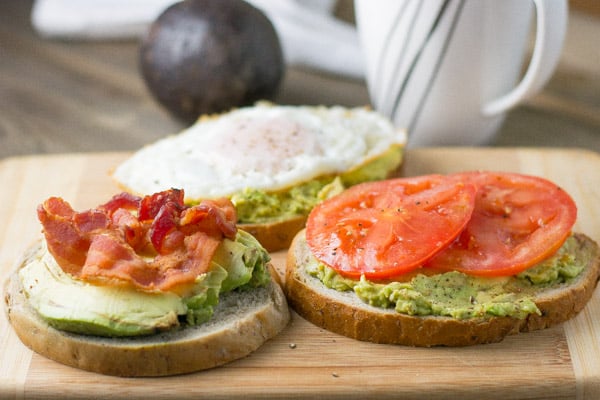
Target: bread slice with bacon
{"points": [[242, 323], [144, 287]]}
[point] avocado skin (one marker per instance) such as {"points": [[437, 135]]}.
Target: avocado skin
{"points": [[208, 56]]}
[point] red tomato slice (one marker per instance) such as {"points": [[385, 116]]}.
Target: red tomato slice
{"points": [[386, 228], [518, 221]]}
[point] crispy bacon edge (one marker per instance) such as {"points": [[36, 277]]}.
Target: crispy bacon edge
{"points": [[153, 243]]}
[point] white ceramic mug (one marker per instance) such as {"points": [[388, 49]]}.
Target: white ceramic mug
{"points": [[448, 70]]}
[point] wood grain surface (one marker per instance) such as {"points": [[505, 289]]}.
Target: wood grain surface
{"points": [[304, 361]]}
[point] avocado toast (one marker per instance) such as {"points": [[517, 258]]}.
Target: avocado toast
{"points": [[136, 313], [442, 260]]}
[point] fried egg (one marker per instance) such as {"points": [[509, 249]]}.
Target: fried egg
{"points": [[266, 146]]}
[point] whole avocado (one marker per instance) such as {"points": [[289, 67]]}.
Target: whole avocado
{"points": [[208, 56]]}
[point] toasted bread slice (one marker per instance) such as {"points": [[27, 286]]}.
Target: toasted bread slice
{"points": [[346, 314], [242, 322]]}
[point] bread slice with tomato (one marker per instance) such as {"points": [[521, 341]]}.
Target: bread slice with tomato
{"points": [[275, 162], [435, 260], [144, 287]]}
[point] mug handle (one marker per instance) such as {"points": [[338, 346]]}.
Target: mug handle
{"points": [[550, 32]]}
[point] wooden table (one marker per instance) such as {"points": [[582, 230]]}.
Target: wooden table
{"points": [[304, 361], [73, 109]]}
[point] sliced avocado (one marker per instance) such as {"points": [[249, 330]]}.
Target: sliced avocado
{"points": [[73, 305], [257, 258], [200, 306], [238, 264], [76, 306], [234, 256]]}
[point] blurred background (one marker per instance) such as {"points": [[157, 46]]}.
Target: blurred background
{"points": [[62, 95]]}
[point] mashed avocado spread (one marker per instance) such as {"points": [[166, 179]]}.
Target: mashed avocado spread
{"points": [[259, 206], [77, 306], [459, 295]]}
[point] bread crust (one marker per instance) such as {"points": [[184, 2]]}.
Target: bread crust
{"points": [[274, 236], [243, 321], [345, 314]]}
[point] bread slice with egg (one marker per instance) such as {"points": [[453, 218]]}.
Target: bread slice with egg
{"points": [[274, 162], [344, 313], [243, 321]]}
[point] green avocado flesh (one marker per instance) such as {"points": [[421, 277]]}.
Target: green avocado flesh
{"points": [[462, 296], [258, 206], [76, 306]]}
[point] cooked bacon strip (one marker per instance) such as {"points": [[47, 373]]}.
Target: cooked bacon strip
{"points": [[63, 234], [181, 266], [163, 231], [151, 205], [119, 201], [112, 243], [109, 256], [133, 230], [211, 216], [90, 220]]}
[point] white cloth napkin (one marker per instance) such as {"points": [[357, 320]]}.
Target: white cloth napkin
{"points": [[309, 34]]}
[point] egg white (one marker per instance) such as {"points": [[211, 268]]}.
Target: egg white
{"points": [[265, 146]]}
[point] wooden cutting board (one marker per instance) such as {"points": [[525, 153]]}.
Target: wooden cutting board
{"points": [[305, 361]]}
